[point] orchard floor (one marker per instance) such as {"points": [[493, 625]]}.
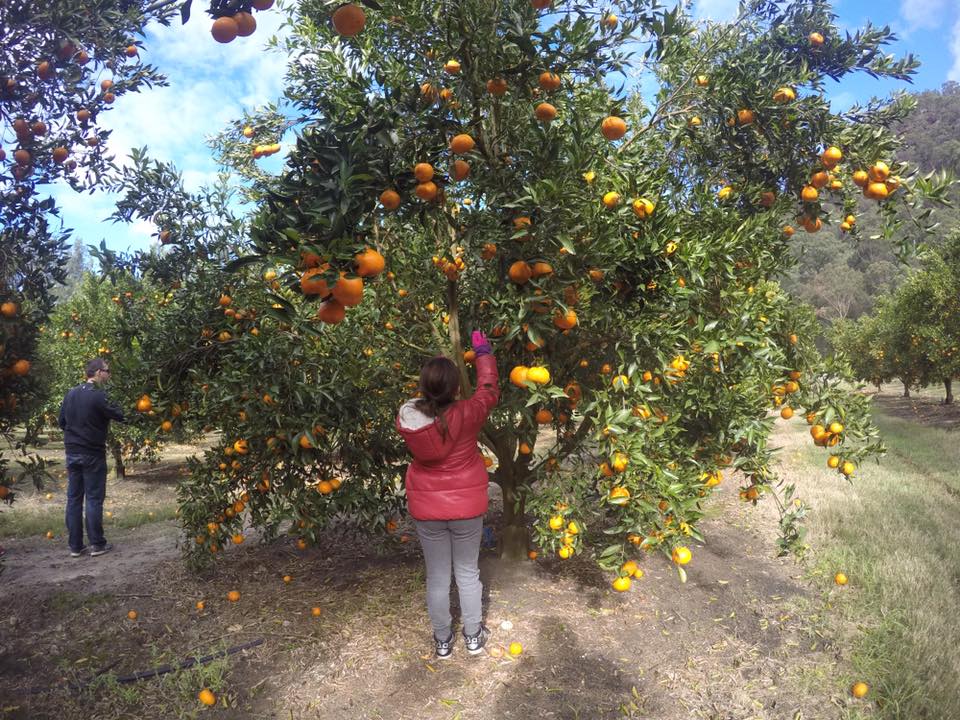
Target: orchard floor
{"points": [[748, 636]]}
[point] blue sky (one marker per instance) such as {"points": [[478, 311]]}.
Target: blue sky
{"points": [[212, 84]]}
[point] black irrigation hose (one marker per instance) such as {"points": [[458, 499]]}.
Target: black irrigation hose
{"points": [[146, 674]]}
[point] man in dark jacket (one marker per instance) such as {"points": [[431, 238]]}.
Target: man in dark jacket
{"points": [[85, 416]]}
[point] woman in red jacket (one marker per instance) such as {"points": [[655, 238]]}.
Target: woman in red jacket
{"points": [[447, 488]]}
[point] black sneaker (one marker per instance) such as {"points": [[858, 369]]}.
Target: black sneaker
{"points": [[100, 549], [475, 643], [444, 647], [78, 553]]}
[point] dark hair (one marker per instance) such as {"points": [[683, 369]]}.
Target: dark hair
{"points": [[93, 366], [439, 384]]}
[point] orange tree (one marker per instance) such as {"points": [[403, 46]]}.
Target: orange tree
{"points": [[914, 334], [476, 165], [62, 66]]}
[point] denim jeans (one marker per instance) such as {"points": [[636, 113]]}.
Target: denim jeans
{"points": [[86, 478], [456, 544]]}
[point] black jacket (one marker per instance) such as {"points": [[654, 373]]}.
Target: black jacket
{"points": [[84, 417]]}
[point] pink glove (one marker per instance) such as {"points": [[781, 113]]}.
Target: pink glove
{"points": [[481, 345]]}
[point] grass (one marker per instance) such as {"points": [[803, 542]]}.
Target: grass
{"points": [[24, 522], [893, 532]]}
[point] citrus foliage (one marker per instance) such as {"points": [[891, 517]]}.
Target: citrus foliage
{"points": [[914, 334], [618, 248], [62, 65]]}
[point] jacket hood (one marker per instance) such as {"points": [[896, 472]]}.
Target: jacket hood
{"points": [[422, 433]]}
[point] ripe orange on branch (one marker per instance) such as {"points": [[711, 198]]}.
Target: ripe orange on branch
{"points": [[549, 81], [613, 128], [348, 20], [225, 29], [461, 144]]}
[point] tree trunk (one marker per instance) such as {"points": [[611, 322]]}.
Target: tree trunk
{"points": [[120, 472], [906, 390], [514, 539], [948, 386]]}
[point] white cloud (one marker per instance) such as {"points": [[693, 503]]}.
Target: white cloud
{"points": [[717, 10], [954, 72], [922, 13]]}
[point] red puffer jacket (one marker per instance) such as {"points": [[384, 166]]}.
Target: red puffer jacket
{"points": [[447, 479]]}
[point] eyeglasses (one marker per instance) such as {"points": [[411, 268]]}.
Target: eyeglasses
{"points": [[106, 370]]}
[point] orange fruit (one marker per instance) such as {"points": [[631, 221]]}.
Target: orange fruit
{"points": [[618, 495], [809, 194], [224, 29], [815, 39], [622, 583], [8, 309], [423, 172], [532, 554], [348, 291], [565, 320], [545, 112], [745, 116], [348, 20], [246, 24], [390, 199], [819, 179], [831, 156], [426, 191], [518, 376], [613, 128], [316, 612], [538, 375], [878, 172], [200, 605], [681, 555], [786, 413], [549, 81], [132, 615], [312, 282], [876, 191], [460, 169], [207, 697], [544, 416], [848, 468], [565, 552], [611, 199], [643, 208], [784, 95], [144, 404], [524, 449], [515, 648], [520, 272], [859, 689], [497, 86], [233, 595], [331, 312], [629, 568], [461, 144], [833, 462], [539, 269], [325, 487], [369, 263], [840, 578]]}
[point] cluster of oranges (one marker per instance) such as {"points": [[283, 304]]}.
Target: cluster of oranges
{"points": [[242, 24], [568, 532], [450, 268], [347, 291]]}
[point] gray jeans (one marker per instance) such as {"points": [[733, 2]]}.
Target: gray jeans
{"points": [[456, 543]]}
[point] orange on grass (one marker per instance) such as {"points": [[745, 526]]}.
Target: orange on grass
{"points": [[545, 112], [369, 263], [461, 144], [133, 615], [840, 578], [316, 612], [224, 29], [613, 128], [207, 697], [233, 595], [348, 20], [390, 199], [859, 689]]}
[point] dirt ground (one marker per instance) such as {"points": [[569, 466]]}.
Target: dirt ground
{"points": [[741, 639], [925, 407]]}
